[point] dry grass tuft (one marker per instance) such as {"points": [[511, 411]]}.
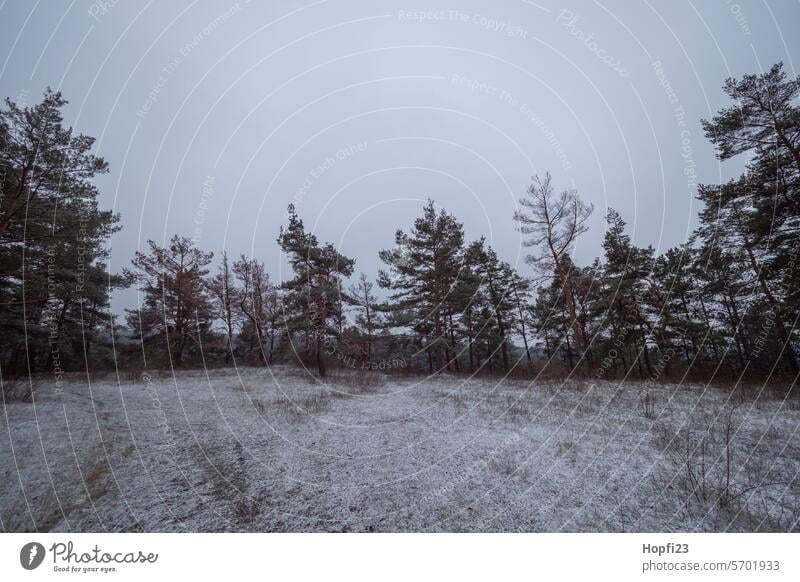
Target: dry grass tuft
{"points": [[17, 390], [355, 381], [299, 407]]}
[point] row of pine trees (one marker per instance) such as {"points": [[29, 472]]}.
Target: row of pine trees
{"points": [[723, 304]]}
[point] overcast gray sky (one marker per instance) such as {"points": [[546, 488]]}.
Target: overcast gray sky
{"points": [[215, 115]]}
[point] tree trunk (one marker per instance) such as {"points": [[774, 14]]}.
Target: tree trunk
{"points": [[646, 353], [547, 349], [569, 350], [735, 332], [230, 344], [469, 342], [522, 326], [178, 354], [430, 359], [320, 357], [59, 326], [783, 335], [16, 202], [738, 329], [500, 325], [271, 346], [456, 365], [566, 283]]}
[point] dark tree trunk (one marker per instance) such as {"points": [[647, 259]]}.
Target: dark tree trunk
{"points": [[522, 325], [782, 334], [320, 357]]}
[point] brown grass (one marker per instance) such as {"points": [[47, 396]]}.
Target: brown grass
{"points": [[17, 390]]}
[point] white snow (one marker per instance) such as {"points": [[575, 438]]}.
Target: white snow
{"points": [[272, 450]]}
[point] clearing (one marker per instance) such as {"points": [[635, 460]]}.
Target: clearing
{"points": [[274, 450]]}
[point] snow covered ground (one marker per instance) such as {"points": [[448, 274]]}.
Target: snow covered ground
{"points": [[261, 450]]}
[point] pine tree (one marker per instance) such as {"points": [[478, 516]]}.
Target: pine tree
{"points": [[54, 290], [553, 223], [424, 269], [765, 115], [313, 299], [551, 322], [726, 223], [626, 268], [521, 287], [497, 278], [175, 308], [762, 208], [44, 164]]}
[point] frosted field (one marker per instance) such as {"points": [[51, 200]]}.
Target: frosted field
{"points": [[274, 451]]}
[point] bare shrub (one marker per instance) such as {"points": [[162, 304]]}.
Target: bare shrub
{"points": [[310, 404], [648, 405], [709, 464], [701, 457]]}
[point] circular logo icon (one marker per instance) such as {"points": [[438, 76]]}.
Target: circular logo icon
{"points": [[31, 555]]}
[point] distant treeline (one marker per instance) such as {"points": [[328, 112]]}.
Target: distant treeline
{"points": [[724, 304]]}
